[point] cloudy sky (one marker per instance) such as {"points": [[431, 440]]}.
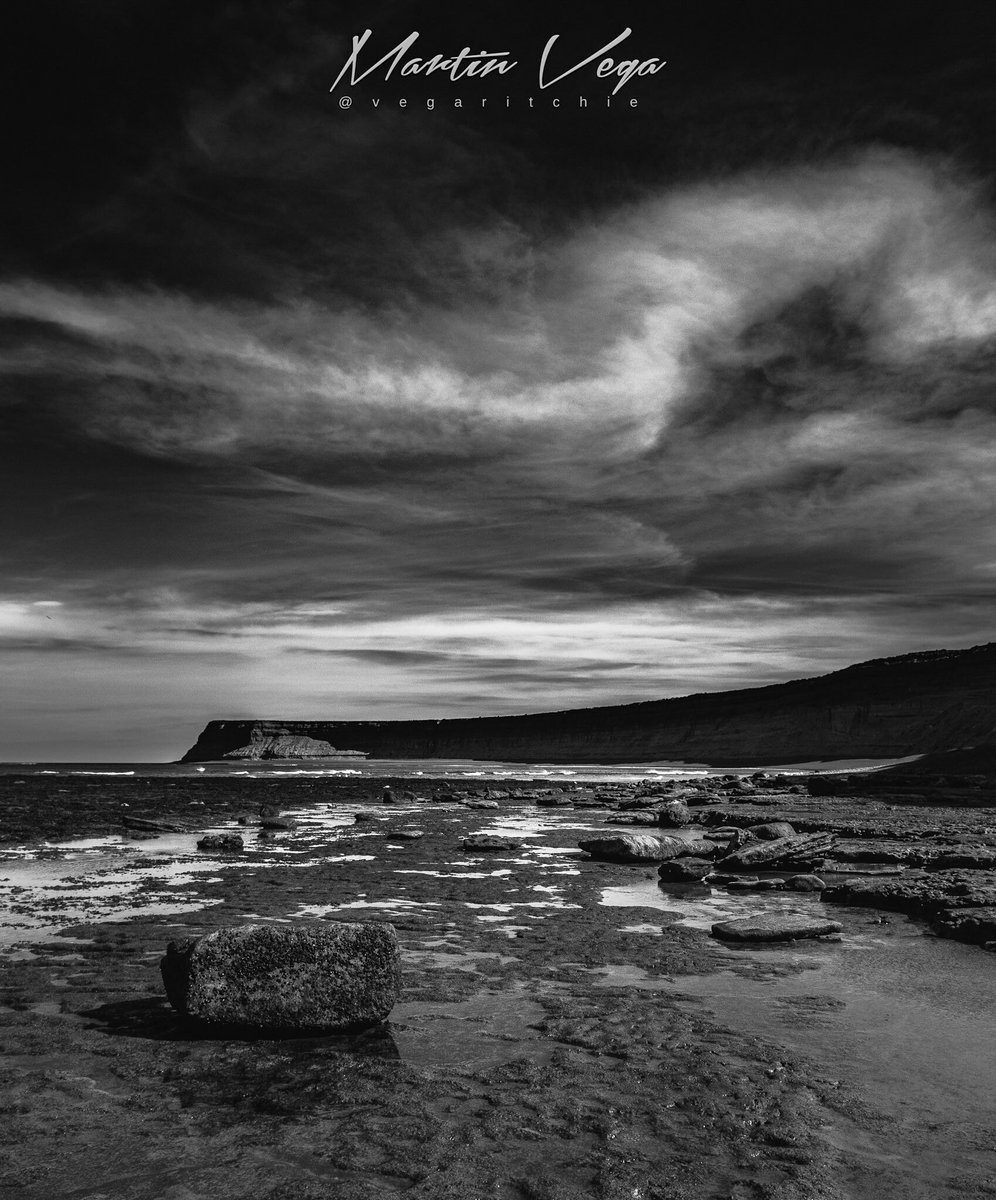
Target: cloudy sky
{"points": [[386, 411]]}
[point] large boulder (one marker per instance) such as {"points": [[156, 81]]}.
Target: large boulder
{"points": [[673, 815], [772, 829], [684, 870], [299, 979], [634, 847], [775, 927]]}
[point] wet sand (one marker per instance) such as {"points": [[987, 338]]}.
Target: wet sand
{"points": [[547, 1045]]}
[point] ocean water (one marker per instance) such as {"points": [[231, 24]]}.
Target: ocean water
{"points": [[432, 768]]}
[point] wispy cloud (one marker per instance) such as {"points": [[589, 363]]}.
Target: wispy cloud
{"points": [[727, 434]]}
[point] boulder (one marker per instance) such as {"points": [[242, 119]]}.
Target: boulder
{"points": [[284, 823], [480, 804], [406, 835], [555, 801], [700, 848], [805, 883], [634, 847], [684, 870], [303, 979], [673, 815], [490, 842], [226, 843], [771, 830], [775, 927]]}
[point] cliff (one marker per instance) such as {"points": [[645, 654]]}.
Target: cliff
{"points": [[919, 703], [283, 744]]}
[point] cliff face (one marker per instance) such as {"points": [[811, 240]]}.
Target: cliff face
{"points": [[285, 745], [919, 703]]}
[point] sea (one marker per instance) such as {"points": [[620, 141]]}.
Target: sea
{"points": [[437, 768]]}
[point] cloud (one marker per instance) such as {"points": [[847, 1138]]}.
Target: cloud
{"points": [[732, 432]]}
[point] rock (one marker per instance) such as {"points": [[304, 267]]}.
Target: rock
{"points": [[555, 801], [739, 883], [978, 858], [288, 980], [805, 883], [975, 925], [673, 815], [227, 843], [480, 804], [406, 835], [490, 842], [684, 870], [387, 796], [700, 848], [637, 817], [779, 851], [634, 847], [771, 830], [363, 815], [938, 896], [145, 826], [774, 927], [284, 823]]}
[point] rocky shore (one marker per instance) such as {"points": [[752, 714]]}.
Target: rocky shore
{"points": [[541, 1047]]}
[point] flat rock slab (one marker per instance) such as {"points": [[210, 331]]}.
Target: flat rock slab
{"points": [[490, 842], [634, 847], [778, 850], [305, 979], [774, 927]]}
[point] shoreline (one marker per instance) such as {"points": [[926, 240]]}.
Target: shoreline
{"points": [[545, 1045]]}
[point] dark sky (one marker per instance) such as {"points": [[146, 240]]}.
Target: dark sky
{"points": [[420, 409]]}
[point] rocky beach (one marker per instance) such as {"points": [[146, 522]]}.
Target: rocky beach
{"points": [[570, 1023]]}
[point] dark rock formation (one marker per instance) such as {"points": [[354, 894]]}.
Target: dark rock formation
{"points": [[888, 708], [684, 870], [226, 843], [290, 980], [775, 927], [958, 904]]}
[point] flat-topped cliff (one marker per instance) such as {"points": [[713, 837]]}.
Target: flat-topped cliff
{"points": [[931, 701]]}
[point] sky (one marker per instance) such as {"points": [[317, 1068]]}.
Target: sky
{"points": [[383, 410]]}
